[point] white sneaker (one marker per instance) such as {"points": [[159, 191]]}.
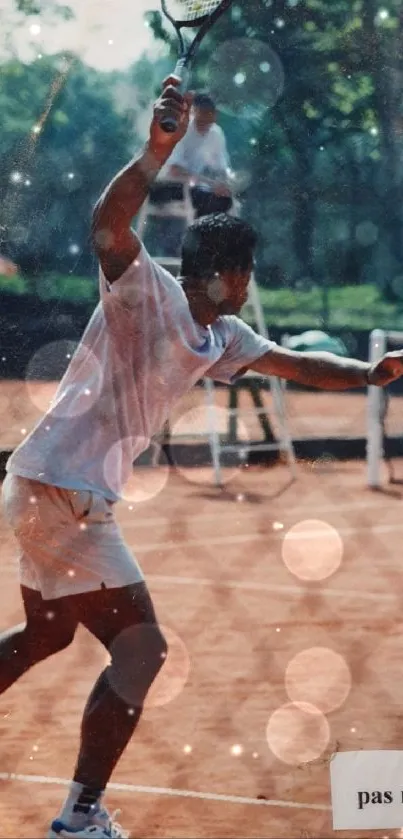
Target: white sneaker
{"points": [[107, 821], [101, 826]]}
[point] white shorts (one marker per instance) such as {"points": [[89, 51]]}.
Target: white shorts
{"points": [[69, 540]]}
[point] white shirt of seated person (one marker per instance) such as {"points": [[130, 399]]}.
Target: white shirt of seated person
{"points": [[201, 154]]}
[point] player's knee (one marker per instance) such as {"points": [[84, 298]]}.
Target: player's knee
{"points": [[139, 642], [137, 655], [154, 651]]}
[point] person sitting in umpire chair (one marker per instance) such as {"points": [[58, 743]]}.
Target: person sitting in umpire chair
{"points": [[200, 164]]}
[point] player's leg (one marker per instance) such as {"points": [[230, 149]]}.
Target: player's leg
{"points": [[124, 621], [49, 628]]}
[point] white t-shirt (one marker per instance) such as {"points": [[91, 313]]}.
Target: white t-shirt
{"points": [[141, 351], [201, 154]]}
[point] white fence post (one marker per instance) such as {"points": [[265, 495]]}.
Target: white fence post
{"points": [[377, 348]]}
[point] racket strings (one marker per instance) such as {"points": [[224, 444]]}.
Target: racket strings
{"points": [[191, 10]]}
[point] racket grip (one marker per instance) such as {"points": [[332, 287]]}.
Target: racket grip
{"points": [[182, 72]]}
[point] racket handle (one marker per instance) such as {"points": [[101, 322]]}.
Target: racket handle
{"points": [[182, 72]]}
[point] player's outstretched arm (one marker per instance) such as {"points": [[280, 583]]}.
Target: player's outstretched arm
{"points": [[327, 371], [114, 241]]}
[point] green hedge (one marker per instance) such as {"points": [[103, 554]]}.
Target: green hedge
{"points": [[74, 289], [14, 285], [53, 286], [350, 307]]}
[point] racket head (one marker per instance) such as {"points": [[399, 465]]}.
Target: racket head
{"points": [[192, 13]]}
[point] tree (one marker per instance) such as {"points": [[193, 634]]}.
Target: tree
{"points": [[42, 7], [329, 148], [61, 142]]}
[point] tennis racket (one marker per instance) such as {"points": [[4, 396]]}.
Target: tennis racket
{"points": [[189, 14]]}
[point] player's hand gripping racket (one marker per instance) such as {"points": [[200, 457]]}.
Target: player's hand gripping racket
{"points": [[192, 14]]}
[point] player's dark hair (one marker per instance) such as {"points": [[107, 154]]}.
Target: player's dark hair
{"points": [[204, 101], [216, 243]]}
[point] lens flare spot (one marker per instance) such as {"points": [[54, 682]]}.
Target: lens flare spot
{"points": [[312, 550], [142, 643], [297, 733], [320, 677], [135, 482], [46, 368]]}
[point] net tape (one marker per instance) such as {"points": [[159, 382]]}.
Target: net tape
{"points": [[191, 10]]}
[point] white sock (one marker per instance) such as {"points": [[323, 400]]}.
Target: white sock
{"points": [[81, 803]]}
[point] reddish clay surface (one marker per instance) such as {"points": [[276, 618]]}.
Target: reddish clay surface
{"points": [[218, 566]]}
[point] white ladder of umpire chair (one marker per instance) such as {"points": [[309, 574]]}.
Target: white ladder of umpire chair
{"points": [[184, 210], [283, 443], [180, 209]]}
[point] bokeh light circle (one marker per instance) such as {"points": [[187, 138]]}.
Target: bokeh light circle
{"points": [[297, 732], [47, 367], [239, 180], [312, 549], [245, 77], [319, 676], [172, 676], [192, 444], [143, 482]]}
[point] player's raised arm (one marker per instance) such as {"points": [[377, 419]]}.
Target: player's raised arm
{"points": [[328, 371], [114, 241]]}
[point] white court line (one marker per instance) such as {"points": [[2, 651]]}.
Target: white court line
{"points": [[312, 509], [178, 793], [244, 538], [279, 589]]}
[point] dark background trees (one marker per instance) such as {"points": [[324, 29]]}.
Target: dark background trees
{"points": [[318, 137]]}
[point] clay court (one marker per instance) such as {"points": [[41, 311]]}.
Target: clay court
{"points": [[270, 592]]}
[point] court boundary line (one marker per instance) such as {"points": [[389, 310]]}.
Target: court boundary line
{"points": [[172, 792], [126, 507], [245, 585], [244, 538]]}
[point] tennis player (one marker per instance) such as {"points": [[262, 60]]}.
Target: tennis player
{"points": [[149, 340]]}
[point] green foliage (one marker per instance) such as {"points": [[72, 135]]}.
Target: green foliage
{"points": [[13, 285], [332, 140], [350, 307], [54, 286], [44, 8], [62, 140], [324, 160]]}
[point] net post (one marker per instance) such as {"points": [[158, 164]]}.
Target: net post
{"points": [[377, 348]]}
